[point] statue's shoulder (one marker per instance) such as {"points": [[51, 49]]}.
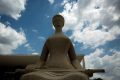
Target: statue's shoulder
{"points": [[63, 37], [49, 38], [67, 38]]}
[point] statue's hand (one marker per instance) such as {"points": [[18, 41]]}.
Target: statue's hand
{"points": [[90, 74]]}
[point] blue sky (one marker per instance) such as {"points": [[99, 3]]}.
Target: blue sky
{"points": [[92, 25], [36, 22]]}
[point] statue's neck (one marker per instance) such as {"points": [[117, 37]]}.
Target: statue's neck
{"points": [[58, 31]]}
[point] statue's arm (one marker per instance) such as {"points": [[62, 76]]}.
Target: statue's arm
{"points": [[42, 61], [44, 54], [73, 58]]}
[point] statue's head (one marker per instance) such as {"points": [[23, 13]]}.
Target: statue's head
{"points": [[58, 21]]}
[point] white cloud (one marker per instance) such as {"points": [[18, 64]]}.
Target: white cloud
{"points": [[51, 1], [41, 38], [95, 38], [12, 8], [35, 53], [93, 60], [92, 22], [64, 2], [111, 64], [10, 39], [34, 30], [27, 45]]}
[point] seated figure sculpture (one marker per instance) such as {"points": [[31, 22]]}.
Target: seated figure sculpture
{"points": [[54, 63]]}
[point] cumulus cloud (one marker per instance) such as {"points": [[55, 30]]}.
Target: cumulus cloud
{"points": [[51, 1], [111, 64], [12, 8], [10, 39], [92, 22], [95, 38]]}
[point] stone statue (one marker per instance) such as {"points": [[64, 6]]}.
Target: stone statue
{"points": [[58, 60]]}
